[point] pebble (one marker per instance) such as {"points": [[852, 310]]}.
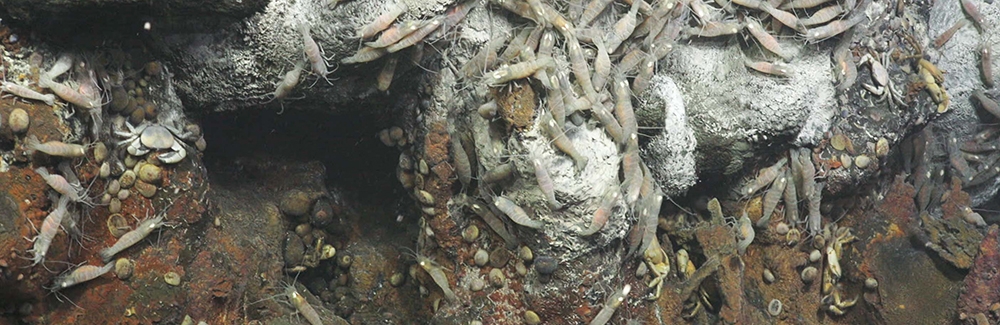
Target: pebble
{"points": [[147, 190], [809, 274], [115, 206], [322, 213], [124, 268], [295, 203], [546, 265], [397, 279], [862, 161], [150, 173], [481, 257], [18, 120], [781, 228], [384, 137], [839, 141], [815, 255], [294, 249], [395, 133], [882, 147], [477, 284], [846, 160], [531, 318], [774, 307], [187, 320], [303, 229], [123, 194], [497, 278], [114, 186], [520, 268], [128, 178], [100, 151], [172, 278], [105, 199], [470, 234], [105, 170]]}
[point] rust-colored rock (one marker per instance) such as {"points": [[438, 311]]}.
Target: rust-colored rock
{"points": [[980, 291]]}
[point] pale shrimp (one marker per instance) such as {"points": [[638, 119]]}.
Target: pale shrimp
{"points": [[416, 36], [786, 18], [50, 226], [495, 223], [395, 33], [775, 69], [61, 185], [313, 53], [301, 305], [463, 166], [132, 237], [765, 39], [623, 105], [384, 79], [581, 69], [645, 76], [744, 233], [63, 64], [802, 4], [986, 65], [485, 59], [516, 213], [80, 275], [438, 275], [594, 8], [822, 16], [70, 95], [765, 177], [612, 304], [944, 37], [987, 103], [27, 93], [545, 183], [556, 101], [714, 29], [834, 28], [602, 65], [563, 144], [970, 9], [518, 71], [365, 54], [623, 28], [55, 148], [815, 219], [611, 125], [791, 199], [604, 209], [772, 197], [382, 21], [630, 168], [288, 82], [498, 173]]}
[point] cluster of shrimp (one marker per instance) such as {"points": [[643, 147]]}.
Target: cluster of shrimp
{"points": [[972, 163], [985, 46], [396, 36], [790, 179]]}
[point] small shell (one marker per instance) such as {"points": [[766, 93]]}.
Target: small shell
{"points": [[18, 120], [127, 179], [405, 162], [130, 161], [862, 161], [123, 194], [422, 167], [531, 318], [470, 234], [499, 257], [105, 170], [327, 252], [793, 236], [846, 160], [774, 307], [782, 228], [384, 137], [100, 151], [147, 190], [815, 255], [105, 199], [525, 254], [481, 257], [345, 261], [115, 206], [839, 141], [871, 284], [882, 147], [520, 268], [118, 225], [768, 276], [497, 278], [425, 198], [172, 278], [114, 186], [396, 133], [477, 284], [397, 279], [428, 211], [124, 268], [150, 173], [809, 274]]}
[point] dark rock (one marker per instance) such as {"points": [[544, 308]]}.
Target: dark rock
{"points": [[294, 249], [546, 265]]}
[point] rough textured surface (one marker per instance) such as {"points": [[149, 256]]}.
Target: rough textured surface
{"points": [[671, 153]]}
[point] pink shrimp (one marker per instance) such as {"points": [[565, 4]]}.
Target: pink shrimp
{"points": [[416, 36], [516, 213], [55, 148], [59, 183], [314, 53], [765, 39], [603, 212], [545, 183], [303, 306], [50, 226], [80, 275], [27, 93], [70, 95], [132, 237], [382, 21], [365, 54], [394, 34]]}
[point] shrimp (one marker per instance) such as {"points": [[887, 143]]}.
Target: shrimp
{"points": [[382, 21], [970, 9], [633, 173], [515, 213], [623, 28], [944, 37], [365, 54], [463, 167], [288, 82], [313, 53], [68, 94], [59, 183], [556, 101], [958, 161], [55, 148], [563, 143], [641, 81], [807, 173], [498, 173], [775, 69], [814, 222], [495, 223], [485, 59], [972, 217], [594, 8], [438, 276], [766, 40], [27, 93], [518, 71], [545, 183], [581, 69], [80, 275], [602, 65], [772, 197], [765, 177], [603, 212], [546, 45], [791, 198], [416, 36], [301, 305], [132, 237], [394, 34], [714, 29], [988, 104], [822, 16], [744, 233], [834, 28], [611, 305], [786, 18], [50, 226], [986, 65], [802, 4], [610, 124], [384, 79], [623, 106]]}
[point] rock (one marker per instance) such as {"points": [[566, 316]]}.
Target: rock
{"points": [[296, 203], [546, 265], [18, 120], [294, 250], [670, 154], [979, 293]]}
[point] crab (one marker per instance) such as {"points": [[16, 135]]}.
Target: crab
{"points": [[883, 87], [659, 263], [149, 136]]}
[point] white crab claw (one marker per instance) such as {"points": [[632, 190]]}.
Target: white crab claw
{"points": [[177, 154]]}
